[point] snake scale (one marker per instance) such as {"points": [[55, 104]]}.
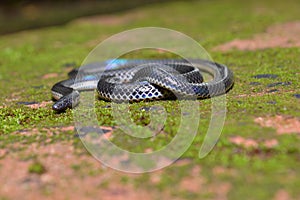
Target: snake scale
{"points": [[132, 80]]}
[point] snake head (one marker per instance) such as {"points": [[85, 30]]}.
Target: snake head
{"points": [[68, 101]]}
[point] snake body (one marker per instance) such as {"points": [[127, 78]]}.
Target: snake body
{"points": [[137, 80]]}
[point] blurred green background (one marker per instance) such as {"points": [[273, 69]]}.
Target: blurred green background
{"points": [[16, 15], [250, 161]]}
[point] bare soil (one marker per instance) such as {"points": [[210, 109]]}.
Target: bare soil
{"points": [[279, 35]]}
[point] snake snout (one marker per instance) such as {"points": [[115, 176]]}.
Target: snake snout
{"points": [[58, 107], [68, 101]]}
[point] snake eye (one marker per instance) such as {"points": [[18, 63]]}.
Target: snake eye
{"points": [[58, 107]]}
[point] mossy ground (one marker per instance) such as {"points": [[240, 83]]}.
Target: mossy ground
{"points": [[258, 172]]}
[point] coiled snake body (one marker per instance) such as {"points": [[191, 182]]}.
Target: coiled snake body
{"points": [[136, 80]]}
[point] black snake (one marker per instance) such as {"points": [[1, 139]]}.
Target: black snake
{"points": [[137, 80]]}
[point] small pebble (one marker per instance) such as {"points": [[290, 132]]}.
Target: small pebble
{"points": [[69, 64], [107, 106], [89, 129], [273, 90], [149, 108], [254, 83], [38, 86], [259, 76], [145, 108], [272, 102], [279, 83], [297, 96], [185, 113], [27, 102]]}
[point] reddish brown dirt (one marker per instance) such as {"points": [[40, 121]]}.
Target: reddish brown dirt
{"points": [[219, 170], [48, 131], [39, 105], [62, 179], [71, 173], [279, 35], [51, 75], [282, 195], [194, 183], [282, 124], [271, 143], [251, 143], [245, 142]]}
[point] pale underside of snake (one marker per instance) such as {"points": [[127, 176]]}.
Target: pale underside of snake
{"points": [[126, 80]]}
